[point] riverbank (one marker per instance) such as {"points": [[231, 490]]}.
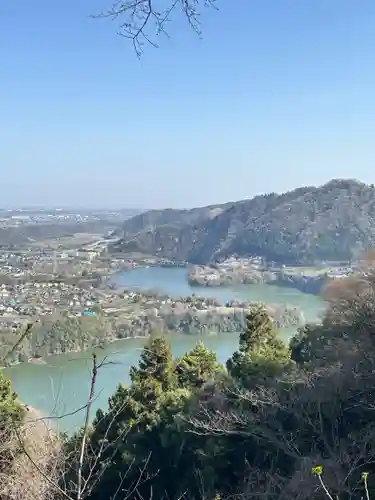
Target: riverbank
{"points": [[62, 384], [242, 272], [253, 270], [32, 471], [41, 425], [234, 272], [129, 314]]}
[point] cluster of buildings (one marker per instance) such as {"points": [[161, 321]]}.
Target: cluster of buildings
{"points": [[19, 217], [236, 264], [31, 262], [30, 299], [29, 288], [37, 283], [232, 270]]}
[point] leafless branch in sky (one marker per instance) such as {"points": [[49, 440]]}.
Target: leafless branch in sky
{"points": [[142, 21]]}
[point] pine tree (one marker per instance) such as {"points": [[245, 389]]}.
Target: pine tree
{"points": [[261, 355], [155, 364], [197, 367], [130, 428], [259, 330]]}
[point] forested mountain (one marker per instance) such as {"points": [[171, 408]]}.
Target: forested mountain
{"points": [[335, 221], [164, 217]]}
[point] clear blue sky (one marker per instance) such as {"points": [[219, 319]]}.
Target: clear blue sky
{"points": [[278, 94]]}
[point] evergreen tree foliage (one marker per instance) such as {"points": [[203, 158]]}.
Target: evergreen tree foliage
{"points": [[11, 417], [197, 367], [156, 363], [142, 423], [11, 412], [261, 354]]}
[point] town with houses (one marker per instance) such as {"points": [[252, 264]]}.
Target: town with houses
{"points": [[65, 283], [254, 270], [40, 282], [73, 289]]}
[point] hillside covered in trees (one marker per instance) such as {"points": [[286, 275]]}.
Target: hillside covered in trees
{"points": [[275, 422], [333, 222]]}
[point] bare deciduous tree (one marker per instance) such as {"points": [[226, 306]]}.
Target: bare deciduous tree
{"points": [[142, 21]]}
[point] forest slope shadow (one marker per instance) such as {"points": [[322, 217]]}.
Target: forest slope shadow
{"points": [[332, 222]]}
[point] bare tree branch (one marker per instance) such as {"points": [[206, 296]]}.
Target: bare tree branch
{"points": [[86, 426], [18, 343], [135, 17]]}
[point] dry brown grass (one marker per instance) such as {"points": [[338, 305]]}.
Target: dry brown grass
{"points": [[35, 456]]}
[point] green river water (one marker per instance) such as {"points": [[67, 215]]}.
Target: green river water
{"points": [[61, 386]]}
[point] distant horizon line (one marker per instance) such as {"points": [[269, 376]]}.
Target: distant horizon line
{"points": [[27, 208], [40, 207]]}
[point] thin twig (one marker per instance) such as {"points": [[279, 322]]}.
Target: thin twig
{"points": [[86, 426], [325, 487], [135, 16], [19, 341]]}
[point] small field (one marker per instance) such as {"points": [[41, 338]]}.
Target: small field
{"points": [[68, 242]]}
